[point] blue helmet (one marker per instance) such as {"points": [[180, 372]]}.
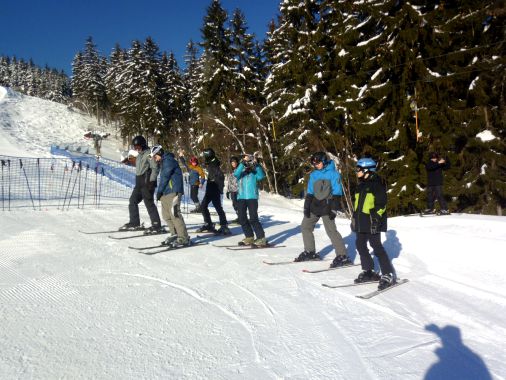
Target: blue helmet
{"points": [[367, 164]]}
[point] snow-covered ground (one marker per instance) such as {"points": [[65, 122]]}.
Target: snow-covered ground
{"points": [[29, 126], [82, 306]]}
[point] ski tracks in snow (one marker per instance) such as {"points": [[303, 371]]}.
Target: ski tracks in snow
{"points": [[196, 295]]}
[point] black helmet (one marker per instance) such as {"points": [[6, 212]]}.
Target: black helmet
{"points": [[318, 157], [209, 154], [141, 141]]}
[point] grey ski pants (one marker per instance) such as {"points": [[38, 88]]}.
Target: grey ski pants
{"points": [[307, 227]]}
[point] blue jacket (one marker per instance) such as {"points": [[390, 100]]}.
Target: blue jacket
{"points": [[247, 181], [171, 176], [324, 190]]}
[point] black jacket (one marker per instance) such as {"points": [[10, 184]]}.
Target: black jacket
{"points": [[435, 172], [215, 176], [370, 203]]}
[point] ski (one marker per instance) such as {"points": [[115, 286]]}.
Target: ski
{"points": [[377, 292], [349, 285], [108, 232], [152, 247], [173, 248], [245, 247], [134, 236], [329, 269], [287, 262]]}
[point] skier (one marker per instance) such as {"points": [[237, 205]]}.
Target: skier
{"points": [[146, 171], [322, 200], [368, 221], [248, 173], [196, 178], [170, 193], [214, 190], [232, 186], [435, 168]]}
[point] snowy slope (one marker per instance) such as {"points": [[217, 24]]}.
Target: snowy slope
{"points": [[29, 126], [86, 306]]}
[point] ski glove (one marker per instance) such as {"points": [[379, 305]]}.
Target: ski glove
{"points": [[307, 205], [335, 205], [375, 222], [353, 226]]}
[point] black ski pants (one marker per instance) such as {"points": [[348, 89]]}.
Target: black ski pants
{"points": [[436, 193], [233, 198], [143, 193], [379, 251], [213, 196], [194, 194], [250, 206]]}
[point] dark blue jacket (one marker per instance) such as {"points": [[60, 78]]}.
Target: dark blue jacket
{"points": [[171, 176]]}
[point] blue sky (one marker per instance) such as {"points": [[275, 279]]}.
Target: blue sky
{"points": [[51, 31]]}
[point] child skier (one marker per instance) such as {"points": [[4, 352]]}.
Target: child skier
{"points": [[322, 200], [232, 186], [248, 173], [146, 171], [196, 179], [368, 221], [214, 190], [170, 192]]}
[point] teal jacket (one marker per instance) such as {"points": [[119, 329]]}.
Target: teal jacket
{"points": [[247, 181]]}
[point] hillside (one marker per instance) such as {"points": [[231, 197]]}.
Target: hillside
{"points": [[87, 306]]}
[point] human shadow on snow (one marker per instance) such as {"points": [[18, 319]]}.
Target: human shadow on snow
{"points": [[456, 360]]}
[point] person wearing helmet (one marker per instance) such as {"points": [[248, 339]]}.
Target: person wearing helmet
{"points": [[214, 190], [368, 221], [232, 186], [323, 200], [196, 179], [146, 171], [170, 192], [248, 174]]}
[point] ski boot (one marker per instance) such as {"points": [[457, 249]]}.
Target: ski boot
{"points": [[247, 241], [169, 240], [224, 230], [367, 276], [155, 229], [428, 211], [444, 212], [341, 261], [180, 242], [307, 256], [261, 242], [386, 281], [131, 227], [206, 228]]}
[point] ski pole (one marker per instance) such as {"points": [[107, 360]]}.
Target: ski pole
{"points": [[100, 184], [78, 175], [27, 184], [85, 182], [38, 172], [61, 186], [96, 187], [3, 196], [9, 174], [68, 186]]}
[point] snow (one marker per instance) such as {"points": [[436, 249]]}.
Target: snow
{"points": [[486, 135], [85, 306]]}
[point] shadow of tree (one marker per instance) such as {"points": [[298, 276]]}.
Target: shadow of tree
{"points": [[456, 361]]}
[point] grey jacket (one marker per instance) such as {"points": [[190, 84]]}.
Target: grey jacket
{"points": [[143, 163], [232, 185]]}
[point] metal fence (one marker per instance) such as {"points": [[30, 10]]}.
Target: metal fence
{"points": [[71, 180]]}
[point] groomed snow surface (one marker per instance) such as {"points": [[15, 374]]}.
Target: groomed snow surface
{"points": [[86, 306], [76, 306]]}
